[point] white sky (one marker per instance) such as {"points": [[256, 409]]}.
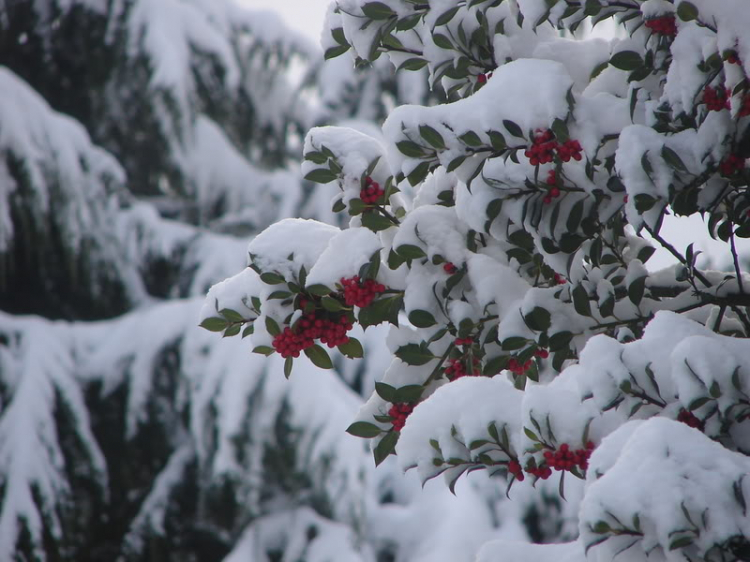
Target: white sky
{"points": [[305, 16]]}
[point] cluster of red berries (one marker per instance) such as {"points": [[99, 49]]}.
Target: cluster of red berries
{"points": [[732, 58], [690, 419], [482, 78], [542, 471], [731, 165], [515, 469], [449, 268], [716, 99], [464, 341], [745, 107], [554, 190], [566, 459], [664, 25], [330, 331], [360, 293], [399, 413], [514, 366], [559, 279], [570, 149], [372, 192], [542, 151], [456, 369]]}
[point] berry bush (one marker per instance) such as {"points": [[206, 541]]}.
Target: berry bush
{"points": [[505, 235]]}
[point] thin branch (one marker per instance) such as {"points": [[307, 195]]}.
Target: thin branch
{"points": [[671, 249], [736, 261]]}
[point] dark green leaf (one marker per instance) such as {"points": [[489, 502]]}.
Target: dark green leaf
{"points": [[445, 17], [214, 324], [410, 252], [377, 10], [364, 429], [410, 393], [513, 343], [432, 137], [413, 64], [687, 11], [386, 446], [512, 128], [352, 349], [319, 357], [636, 290], [321, 175], [318, 290], [581, 301], [538, 319], [626, 60], [272, 326], [264, 350], [414, 354], [376, 222], [421, 319], [410, 149], [271, 278], [386, 391], [288, 364]]}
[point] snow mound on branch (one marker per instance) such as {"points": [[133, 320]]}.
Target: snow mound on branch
{"points": [[670, 484]]}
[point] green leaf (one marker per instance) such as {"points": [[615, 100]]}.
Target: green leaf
{"points": [[410, 149], [442, 41], [512, 343], [249, 329], [413, 64], [272, 278], [231, 331], [279, 295], [419, 173], [581, 300], [264, 350], [318, 290], [470, 138], [272, 326], [497, 140], [538, 319], [410, 252], [316, 157], [561, 130], [512, 128], [409, 393], [338, 36], [432, 137], [385, 391], [319, 357], [409, 22], [376, 222], [333, 52], [698, 402], [288, 364], [413, 354], [321, 175], [364, 429], [687, 11], [672, 159], [445, 17], [575, 216], [421, 319], [530, 434], [682, 542], [455, 163], [214, 324], [560, 340], [626, 60], [386, 446], [377, 10], [352, 349], [715, 390], [331, 304], [636, 290]]}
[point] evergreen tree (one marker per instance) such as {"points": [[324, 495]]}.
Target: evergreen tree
{"points": [[142, 142]]}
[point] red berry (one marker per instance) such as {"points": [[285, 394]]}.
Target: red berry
{"points": [[449, 268]]}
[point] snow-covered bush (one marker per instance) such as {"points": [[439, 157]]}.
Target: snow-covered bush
{"points": [[505, 233]]}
